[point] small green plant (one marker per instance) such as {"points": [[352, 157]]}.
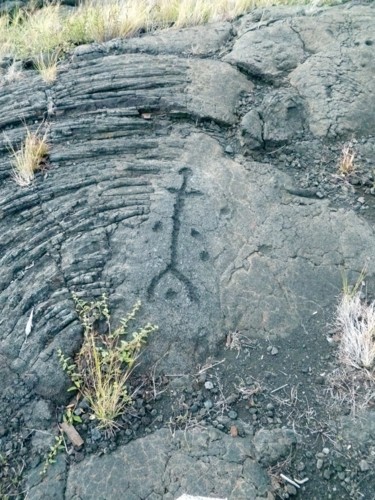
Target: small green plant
{"points": [[101, 369], [55, 448], [70, 417]]}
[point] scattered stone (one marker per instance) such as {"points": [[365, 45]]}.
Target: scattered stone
{"points": [[319, 463], [95, 434], [300, 466], [209, 385], [292, 490], [208, 404], [272, 445], [274, 351], [327, 474], [233, 431], [223, 419], [364, 465], [251, 130], [194, 408], [232, 415]]}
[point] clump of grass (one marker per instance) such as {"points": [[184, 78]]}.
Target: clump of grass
{"points": [[355, 322], [31, 32], [54, 29], [12, 73], [352, 383], [102, 367], [101, 21], [29, 158], [346, 165], [46, 64]]}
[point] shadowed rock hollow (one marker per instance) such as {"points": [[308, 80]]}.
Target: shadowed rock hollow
{"points": [[185, 170]]}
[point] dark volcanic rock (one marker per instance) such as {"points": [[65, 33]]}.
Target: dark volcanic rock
{"points": [[140, 200], [195, 462], [325, 55]]}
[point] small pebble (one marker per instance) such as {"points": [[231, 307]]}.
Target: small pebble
{"points": [[229, 150], [274, 351], [233, 431], [319, 463], [208, 404], [223, 419], [292, 490], [232, 398], [79, 456], [208, 385], [95, 434], [327, 474], [232, 415], [194, 408], [364, 465]]}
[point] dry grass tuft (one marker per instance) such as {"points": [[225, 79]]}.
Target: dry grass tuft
{"points": [[352, 388], [355, 324], [46, 64], [346, 165], [353, 383], [55, 30], [29, 158], [12, 73]]}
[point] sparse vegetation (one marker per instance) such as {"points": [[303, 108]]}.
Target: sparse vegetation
{"points": [[57, 446], [45, 34], [11, 470], [346, 165], [12, 73], [101, 369], [353, 383], [29, 158], [46, 64], [355, 323]]}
